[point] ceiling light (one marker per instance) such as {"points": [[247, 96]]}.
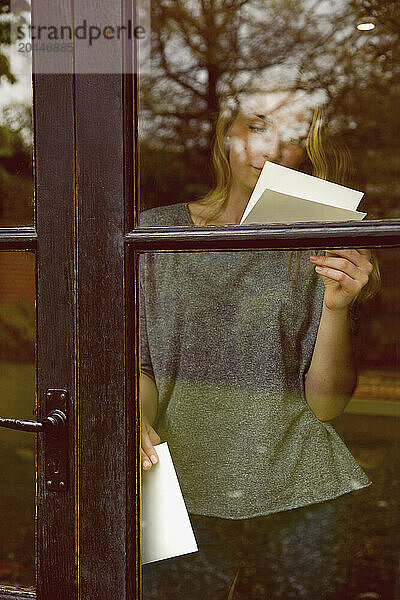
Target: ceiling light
{"points": [[367, 26]]}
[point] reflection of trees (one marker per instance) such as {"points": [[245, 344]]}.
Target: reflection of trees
{"points": [[16, 180], [203, 49], [363, 92], [8, 20]]}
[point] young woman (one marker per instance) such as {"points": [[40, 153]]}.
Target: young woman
{"points": [[245, 357]]}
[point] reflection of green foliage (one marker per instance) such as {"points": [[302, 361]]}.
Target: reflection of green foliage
{"points": [[17, 332], [16, 176], [163, 175], [17, 468]]}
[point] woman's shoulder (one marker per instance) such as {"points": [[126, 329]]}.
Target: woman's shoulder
{"points": [[166, 216]]}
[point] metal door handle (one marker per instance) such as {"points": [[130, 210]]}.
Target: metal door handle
{"points": [[54, 424], [55, 441]]}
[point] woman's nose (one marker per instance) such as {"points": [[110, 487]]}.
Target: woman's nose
{"points": [[272, 148]]}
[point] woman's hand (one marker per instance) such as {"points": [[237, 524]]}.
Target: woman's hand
{"points": [[344, 272], [148, 455]]}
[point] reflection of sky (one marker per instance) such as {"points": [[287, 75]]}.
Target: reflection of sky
{"points": [[21, 68], [21, 91]]}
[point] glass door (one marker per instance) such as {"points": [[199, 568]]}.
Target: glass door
{"points": [[316, 94]]}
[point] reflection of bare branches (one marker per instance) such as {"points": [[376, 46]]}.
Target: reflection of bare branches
{"points": [[209, 35], [179, 77], [179, 14], [385, 12], [205, 49]]}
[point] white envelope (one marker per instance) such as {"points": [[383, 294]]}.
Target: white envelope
{"points": [[166, 527], [283, 195]]}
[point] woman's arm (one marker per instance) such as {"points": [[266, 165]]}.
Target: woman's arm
{"points": [[332, 375], [149, 400]]}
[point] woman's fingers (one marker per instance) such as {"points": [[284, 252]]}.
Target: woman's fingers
{"points": [[349, 285], [145, 460], [358, 256], [354, 263], [338, 263], [148, 453], [344, 273]]}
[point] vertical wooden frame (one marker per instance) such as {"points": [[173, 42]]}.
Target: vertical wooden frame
{"points": [[133, 480], [88, 537], [82, 216], [56, 343], [100, 189], [100, 336]]}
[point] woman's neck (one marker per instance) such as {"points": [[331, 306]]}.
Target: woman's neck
{"points": [[235, 206]]}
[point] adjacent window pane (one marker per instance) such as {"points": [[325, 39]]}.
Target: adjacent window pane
{"points": [[280, 507], [16, 131], [17, 393], [318, 70]]}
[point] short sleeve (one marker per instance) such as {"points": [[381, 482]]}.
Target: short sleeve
{"points": [[145, 358]]}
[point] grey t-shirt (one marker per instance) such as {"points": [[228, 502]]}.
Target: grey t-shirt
{"points": [[228, 338]]}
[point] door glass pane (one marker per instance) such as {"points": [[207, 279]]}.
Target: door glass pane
{"points": [[289, 495], [16, 131], [325, 76], [17, 400]]}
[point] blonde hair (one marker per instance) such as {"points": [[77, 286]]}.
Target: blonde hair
{"points": [[327, 159], [217, 197]]}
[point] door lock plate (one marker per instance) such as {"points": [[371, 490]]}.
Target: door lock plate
{"points": [[56, 447]]}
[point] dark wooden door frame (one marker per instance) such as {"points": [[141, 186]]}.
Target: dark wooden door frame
{"points": [[52, 237], [84, 199]]}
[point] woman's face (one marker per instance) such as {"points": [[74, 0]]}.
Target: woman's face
{"points": [[270, 129]]}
